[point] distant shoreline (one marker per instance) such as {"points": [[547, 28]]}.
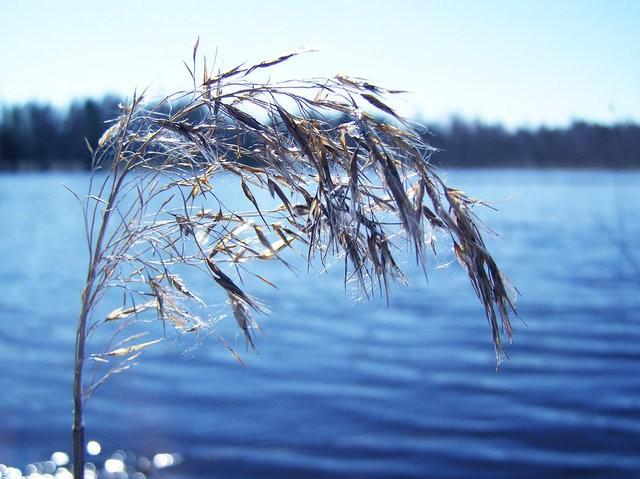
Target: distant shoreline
{"points": [[39, 137]]}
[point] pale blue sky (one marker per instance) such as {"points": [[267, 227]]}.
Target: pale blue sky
{"points": [[515, 62]]}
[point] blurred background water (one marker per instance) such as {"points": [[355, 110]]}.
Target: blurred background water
{"points": [[341, 388]]}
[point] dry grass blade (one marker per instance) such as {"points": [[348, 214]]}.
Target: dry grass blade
{"points": [[121, 313], [379, 104], [269, 63], [132, 349]]}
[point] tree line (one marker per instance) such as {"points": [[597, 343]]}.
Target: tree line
{"points": [[579, 145], [39, 136]]}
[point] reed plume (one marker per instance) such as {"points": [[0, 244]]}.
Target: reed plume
{"points": [[342, 183]]}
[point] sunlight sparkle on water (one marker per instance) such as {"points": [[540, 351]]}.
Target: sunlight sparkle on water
{"points": [[113, 465], [11, 473], [63, 473], [162, 460], [120, 465], [60, 458], [94, 448]]}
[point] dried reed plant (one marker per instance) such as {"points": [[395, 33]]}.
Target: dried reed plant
{"points": [[348, 185]]}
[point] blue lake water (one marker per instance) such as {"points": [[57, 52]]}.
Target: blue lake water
{"points": [[343, 389]]}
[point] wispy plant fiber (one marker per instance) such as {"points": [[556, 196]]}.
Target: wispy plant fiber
{"points": [[344, 184]]}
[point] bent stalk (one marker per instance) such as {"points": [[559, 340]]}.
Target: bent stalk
{"points": [[89, 295]]}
